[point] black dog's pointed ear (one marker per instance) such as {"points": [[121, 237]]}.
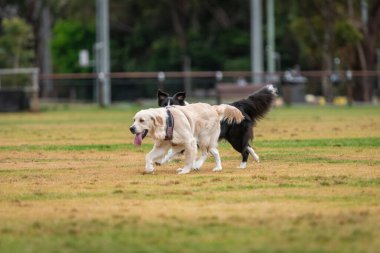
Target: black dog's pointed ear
{"points": [[161, 96], [161, 93], [180, 96]]}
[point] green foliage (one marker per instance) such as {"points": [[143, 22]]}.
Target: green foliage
{"points": [[324, 30], [346, 33], [145, 49], [215, 35], [308, 33], [227, 50], [69, 37], [16, 44], [152, 36]]}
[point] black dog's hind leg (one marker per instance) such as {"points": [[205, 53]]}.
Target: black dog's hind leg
{"points": [[245, 138], [244, 160], [253, 153], [241, 145]]}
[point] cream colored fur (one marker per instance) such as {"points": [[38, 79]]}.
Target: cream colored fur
{"points": [[193, 124]]}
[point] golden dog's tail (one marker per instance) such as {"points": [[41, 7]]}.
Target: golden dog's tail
{"points": [[229, 113]]}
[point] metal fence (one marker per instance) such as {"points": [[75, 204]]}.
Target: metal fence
{"points": [[131, 86], [19, 88]]}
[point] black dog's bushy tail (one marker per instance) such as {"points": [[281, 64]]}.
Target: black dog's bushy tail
{"points": [[258, 103]]}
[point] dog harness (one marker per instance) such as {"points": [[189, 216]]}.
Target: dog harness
{"points": [[169, 125]]}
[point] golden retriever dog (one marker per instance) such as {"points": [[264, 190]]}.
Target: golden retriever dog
{"points": [[182, 128]]}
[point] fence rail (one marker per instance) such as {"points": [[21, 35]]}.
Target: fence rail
{"points": [[203, 74], [130, 86], [25, 80]]}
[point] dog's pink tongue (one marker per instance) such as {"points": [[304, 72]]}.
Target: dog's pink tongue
{"points": [[138, 139]]}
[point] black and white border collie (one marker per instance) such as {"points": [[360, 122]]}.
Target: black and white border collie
{"points": [[164, 99], [254, 108]]}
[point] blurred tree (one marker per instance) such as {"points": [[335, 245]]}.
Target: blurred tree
{"points": [[160, 36], [366, 49], [41, 15], [16, 44], [211, 34], [69, 37], [40, 12], [334, 29]]}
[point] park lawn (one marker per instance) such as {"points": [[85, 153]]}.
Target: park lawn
{"points": [[71, 181]]}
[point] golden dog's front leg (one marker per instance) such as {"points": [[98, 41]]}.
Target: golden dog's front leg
{"points": [[159, 149], [190, 155], [172, 153]]}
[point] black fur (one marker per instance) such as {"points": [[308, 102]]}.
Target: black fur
{"points": [[164, 99], [254, 107]]}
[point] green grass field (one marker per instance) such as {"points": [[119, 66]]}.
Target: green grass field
{"points": [[71, 181]]}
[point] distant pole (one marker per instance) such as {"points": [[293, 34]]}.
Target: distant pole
{"points": [[44, 50], [271, 65], [364, 11], [102, 36], [378, 69], [256, 41], [365, 81]]}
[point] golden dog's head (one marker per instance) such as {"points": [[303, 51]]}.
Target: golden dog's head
{"points": [[145, 122]]}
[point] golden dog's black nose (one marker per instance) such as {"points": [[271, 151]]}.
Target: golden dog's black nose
{"points": [[132, 129]]}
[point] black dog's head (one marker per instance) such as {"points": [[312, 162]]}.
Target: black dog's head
{"points": [[164, 99]]}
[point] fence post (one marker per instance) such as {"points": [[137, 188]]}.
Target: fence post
{"points": [[34, 100]]}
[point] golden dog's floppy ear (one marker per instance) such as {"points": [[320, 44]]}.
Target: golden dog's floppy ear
{"points": [[158, 121]]}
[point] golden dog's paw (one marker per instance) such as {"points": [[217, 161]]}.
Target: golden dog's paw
{"points": [[183, 171], [148, 172], [217, 169]]}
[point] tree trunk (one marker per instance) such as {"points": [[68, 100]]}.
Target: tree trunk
{"points": [[372, 35], [366, 50], [178, 27], [363, 66], [327, 59], [326, 84], [180, 31]]}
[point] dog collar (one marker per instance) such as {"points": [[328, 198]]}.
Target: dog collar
{"points": [[169, 125]]}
